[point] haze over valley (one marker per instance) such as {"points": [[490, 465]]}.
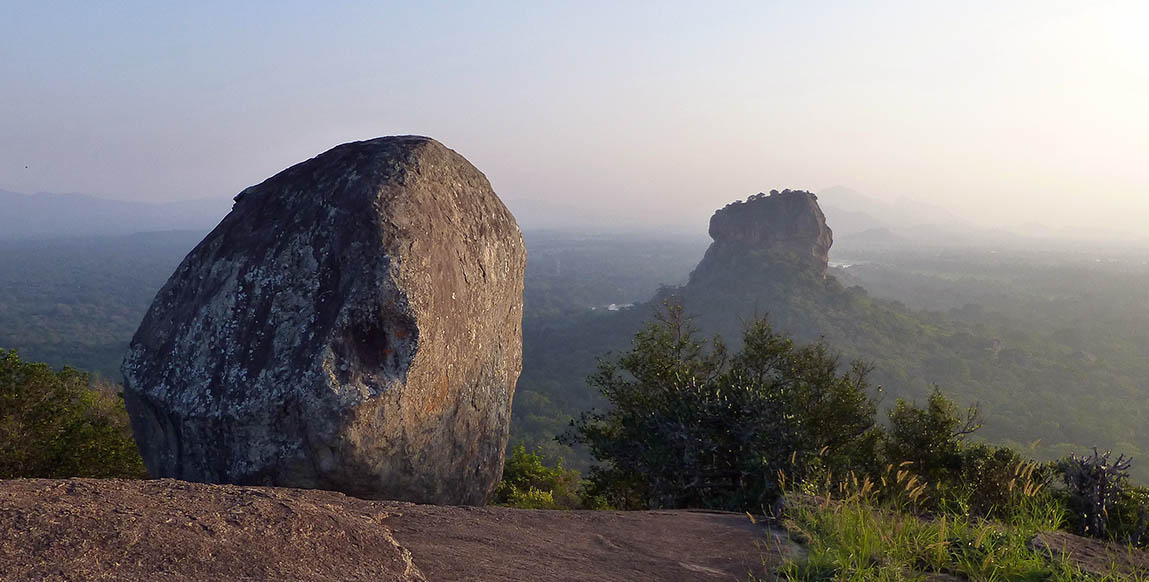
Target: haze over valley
{"points": [[989, 303], [292, 291]]}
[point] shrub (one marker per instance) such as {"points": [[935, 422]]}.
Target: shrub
{"points": [[528, 483], [969, 479], [60, 424], [931, 437], [692, 426], [1129, 517], [531, 499], [993, 480]]}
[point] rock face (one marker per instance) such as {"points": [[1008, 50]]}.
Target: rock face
{"points": [[175, 531], [781, 223], [354, 324]]}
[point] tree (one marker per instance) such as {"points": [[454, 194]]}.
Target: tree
{"points": [[59, 424], [930, 437], [692, 426], [530, 484]]}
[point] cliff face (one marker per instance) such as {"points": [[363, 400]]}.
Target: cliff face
{"points": [[779, 225]]}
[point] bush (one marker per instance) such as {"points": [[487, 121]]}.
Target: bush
{"points": [[697, 427], [59, 424], [993, 480], [1129, 517], [691, 425], [931, 437], [528, 483], [970, 479], [531, 499]]}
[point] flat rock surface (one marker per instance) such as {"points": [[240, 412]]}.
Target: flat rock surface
{"points": [[483, 544], [84, 529], [1093, 556], [89, 529]]}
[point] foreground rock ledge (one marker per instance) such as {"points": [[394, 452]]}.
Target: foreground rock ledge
{"points": [[354, 324], [86, 529]]}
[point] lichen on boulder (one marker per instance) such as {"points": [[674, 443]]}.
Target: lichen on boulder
{"points": [[354, 324]]}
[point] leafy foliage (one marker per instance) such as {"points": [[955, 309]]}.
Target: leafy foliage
{"points": [[930, 442], [528, 483], [930, 437], [58, 424], [77, 302], [987, 325], [695, 427], [691, 425], [992, 477]]}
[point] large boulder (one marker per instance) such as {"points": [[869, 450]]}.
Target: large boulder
{"points": [[354, 324]]}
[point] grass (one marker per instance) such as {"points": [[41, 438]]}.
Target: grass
{"points": [[860, 536]]}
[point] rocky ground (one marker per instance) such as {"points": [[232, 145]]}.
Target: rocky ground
{"points": [[1094, 557], [166, 530], [86, 529]]}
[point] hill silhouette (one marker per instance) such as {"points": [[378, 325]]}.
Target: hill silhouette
{"points": [[49, 215]]}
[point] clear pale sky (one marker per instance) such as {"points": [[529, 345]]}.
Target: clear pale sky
{"points": [[1003, 112]]}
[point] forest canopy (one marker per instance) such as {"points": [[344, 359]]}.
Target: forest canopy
{"points": [[59, 423]]}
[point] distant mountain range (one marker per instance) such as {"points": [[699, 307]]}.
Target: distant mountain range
{"points": [[849, 211], [552, 215], [858, 220], [44, 216], [48, 216]]}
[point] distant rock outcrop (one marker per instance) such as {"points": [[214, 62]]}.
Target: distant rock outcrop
{"points": [[781, 224], [354, 324]]}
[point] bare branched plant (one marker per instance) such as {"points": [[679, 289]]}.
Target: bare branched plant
{"points": [[1095, 485]]}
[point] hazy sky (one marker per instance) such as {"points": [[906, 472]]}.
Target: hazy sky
{"points": [[1003, 112]]}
